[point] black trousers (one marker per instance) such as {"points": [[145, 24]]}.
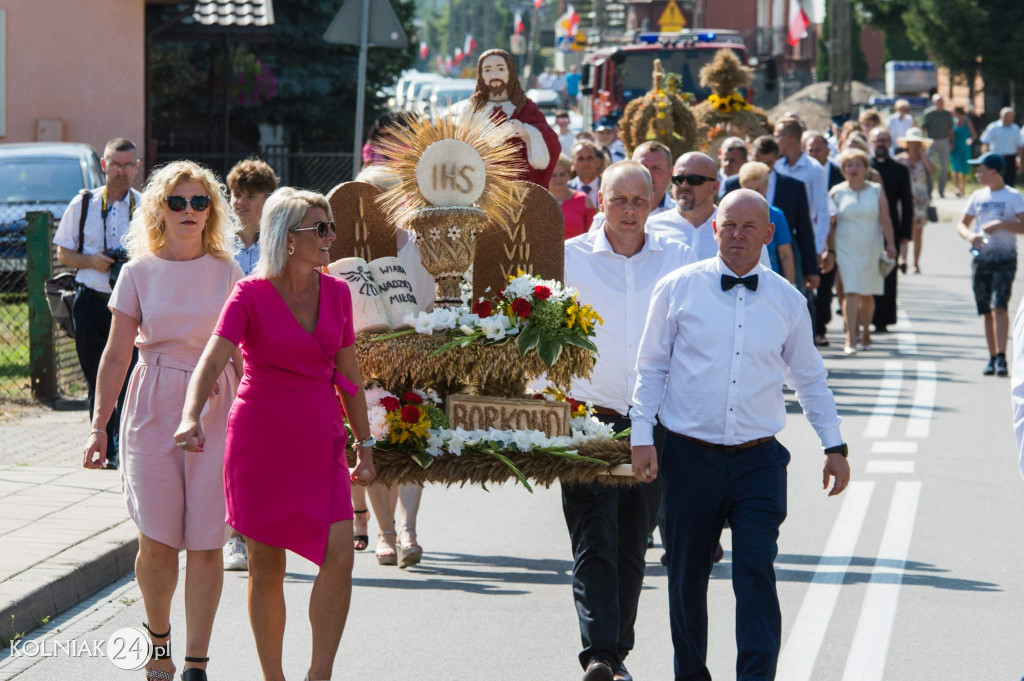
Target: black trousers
{"points": [[1010, 173], [608, 527], [823, 303], [705, 487], [885, 304], [91, 320]]}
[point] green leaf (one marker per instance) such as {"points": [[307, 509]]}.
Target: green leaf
{"points": [[580, 342], [422, 458], [396, 334], [528, 338], [515, 470], [549, 349], [622, 434]]}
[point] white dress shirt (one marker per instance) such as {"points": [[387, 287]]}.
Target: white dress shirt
{"points": [[898, 125], [666, 204], [620, 289], [567, 140], [815, 179], [1002, 139], [701, 238], [712, 363], [595, 187], [99, 233]]}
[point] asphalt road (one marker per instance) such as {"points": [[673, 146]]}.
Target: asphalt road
{"points": [[913, 573]]}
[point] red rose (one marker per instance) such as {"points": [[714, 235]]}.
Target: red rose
{"points": [[410, 396], [541, 292], [410, 413], [521, 307], [573, 405], [483, 309], [501, 295], [390, 403]]}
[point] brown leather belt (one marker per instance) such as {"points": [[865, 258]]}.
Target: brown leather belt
{"points": [[605, 411], [728, 449]]}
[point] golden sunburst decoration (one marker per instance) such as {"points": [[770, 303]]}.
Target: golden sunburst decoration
{"points": [[451, 162]]}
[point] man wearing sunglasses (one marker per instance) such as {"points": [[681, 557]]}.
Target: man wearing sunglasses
{"points": [[695, 187], [90, 232]]}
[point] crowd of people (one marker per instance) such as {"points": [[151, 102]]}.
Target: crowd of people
{"points": [[180, 395]]}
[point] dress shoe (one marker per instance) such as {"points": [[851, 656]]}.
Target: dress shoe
{"points": [[110, 464], [598, 670], [622, 674]]}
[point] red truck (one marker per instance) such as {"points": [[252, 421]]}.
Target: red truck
{"points": [[612, 76]]}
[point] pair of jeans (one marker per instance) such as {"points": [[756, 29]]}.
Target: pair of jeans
{"points": [[608, 527], [705, 487], [92, 320]]}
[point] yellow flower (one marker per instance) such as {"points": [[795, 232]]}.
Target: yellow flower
{"points": [[661, 114]]}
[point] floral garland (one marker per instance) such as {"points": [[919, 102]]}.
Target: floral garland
{"points": [[729, 103], [545, 316], [416, 423]]}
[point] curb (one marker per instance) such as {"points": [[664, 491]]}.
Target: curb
{"points": [[66, 579]]}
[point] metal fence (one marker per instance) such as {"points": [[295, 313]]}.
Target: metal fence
{"points": [[28, 372], [319, 171]]}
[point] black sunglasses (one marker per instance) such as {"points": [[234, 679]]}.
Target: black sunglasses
{"points": [[178, 203], [692, 180], [321, 229]]}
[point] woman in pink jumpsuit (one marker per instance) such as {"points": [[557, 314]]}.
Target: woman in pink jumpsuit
{"points": [[286, 476]]}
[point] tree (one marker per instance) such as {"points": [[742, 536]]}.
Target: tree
{"points": [[887, 17], [858, 62]]}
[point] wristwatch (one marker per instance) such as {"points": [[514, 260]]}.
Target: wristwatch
{"points": [[368, 442], [838, 449]]}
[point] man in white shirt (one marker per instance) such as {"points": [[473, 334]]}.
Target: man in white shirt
{"points": [[617, 268], [695, 177], [607, 132], [657, 158], [900, 121], [795, 163], [732, 155], [1003, 137], [566, 137], [585, 155], [721, 403], [102, 226]]}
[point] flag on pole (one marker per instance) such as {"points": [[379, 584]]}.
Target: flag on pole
{"points": [[568, 22], [458, 56], [517, 26], [538, 3], [470, 46], [424, 50], [798, 22]]}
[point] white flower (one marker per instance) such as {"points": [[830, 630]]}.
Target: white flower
{"points": [[453, 233], [423, 324], [435, 233], [456, 443], [433, 396], [374, 395], [493, 327], [520, 287], [378, 422], [435, 443]]}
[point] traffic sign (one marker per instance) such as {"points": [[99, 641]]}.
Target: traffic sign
{"points": [[579, 43], [672, 19]]}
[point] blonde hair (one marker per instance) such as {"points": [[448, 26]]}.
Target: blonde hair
{"points": [[564, 162], [753, 173], [284, 210], [852, 154], [147, 232]]}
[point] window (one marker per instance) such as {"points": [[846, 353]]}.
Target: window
{"points": [[44, 180]]}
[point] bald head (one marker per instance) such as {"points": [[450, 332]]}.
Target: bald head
{"points": [[620, 170], [744, 200], [696, 161]]}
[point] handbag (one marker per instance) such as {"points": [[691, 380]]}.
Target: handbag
{"points": [[60, 290], [886, 265], [933, 214]]}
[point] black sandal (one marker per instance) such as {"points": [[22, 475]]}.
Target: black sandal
{"points": [[364, 539], [160, 653], [194, 674]]}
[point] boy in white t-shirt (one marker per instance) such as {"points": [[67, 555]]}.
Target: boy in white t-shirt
{"points": [[993, 218]]}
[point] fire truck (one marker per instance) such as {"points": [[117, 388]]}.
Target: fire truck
{"points": [[612, 76]]}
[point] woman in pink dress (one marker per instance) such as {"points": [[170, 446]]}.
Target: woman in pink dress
{"points": [[166, 301], [286, 474], [577, 210]]}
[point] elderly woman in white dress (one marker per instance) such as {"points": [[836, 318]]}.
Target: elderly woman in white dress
{"points": [[858, 229]]}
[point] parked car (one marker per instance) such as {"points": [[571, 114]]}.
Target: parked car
{"points": [[33, 177], [445, 93]]}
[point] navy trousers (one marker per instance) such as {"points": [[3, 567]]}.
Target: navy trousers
{"points": [[705, 487], [92, 320], [608, 527]]}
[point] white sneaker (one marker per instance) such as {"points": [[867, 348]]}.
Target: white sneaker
{"points": [[235, 556]]}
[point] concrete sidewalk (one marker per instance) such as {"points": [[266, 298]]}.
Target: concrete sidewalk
{"points": [[64, 530]]}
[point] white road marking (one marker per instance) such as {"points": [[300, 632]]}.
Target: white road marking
{"points": [[920, 422], [888, 397], [866, 660], [906, 341], [889, 467], [892, 447], [801, 650]]}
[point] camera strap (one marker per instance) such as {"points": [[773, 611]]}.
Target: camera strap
{"points": [[105, 209]]}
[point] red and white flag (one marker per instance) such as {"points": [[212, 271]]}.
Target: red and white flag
{"points": [[538, 3], [798, 22], [517, 26], [568, 22], [470, 46], [458, 56], [424, 50]]}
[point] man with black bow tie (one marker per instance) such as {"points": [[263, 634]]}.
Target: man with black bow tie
{"points": [[721, 339]]}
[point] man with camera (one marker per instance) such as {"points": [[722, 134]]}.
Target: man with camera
{"points": [[89, 240]]}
